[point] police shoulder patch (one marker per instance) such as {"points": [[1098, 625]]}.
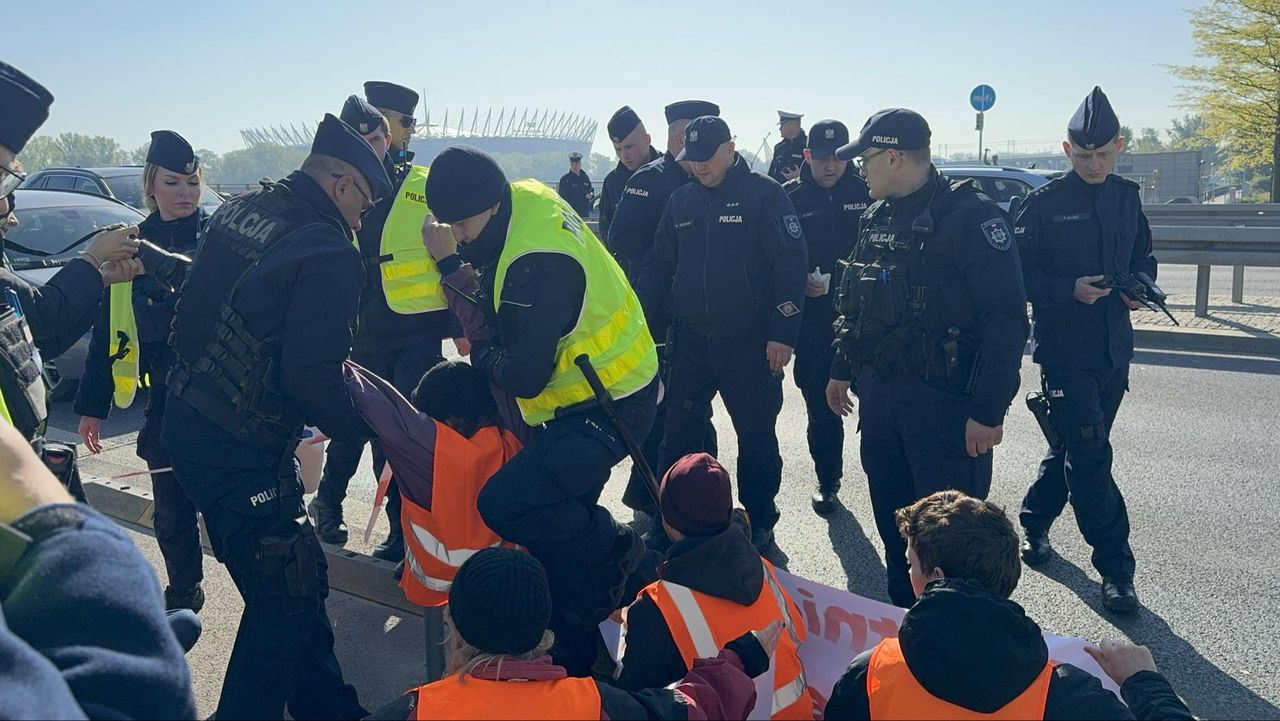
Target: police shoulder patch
{"points": [[788, 309], [997, 232], [792, 224]]}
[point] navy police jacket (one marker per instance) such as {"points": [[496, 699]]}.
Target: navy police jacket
{"points": [[1069, 229], [788, 154], [611, 193], [635, 220], [731, 260], [829, 216]]}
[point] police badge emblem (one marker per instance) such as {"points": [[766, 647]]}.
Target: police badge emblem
{"points": [[191, 166], [792, 224], [830, 133], [693, 136], [364, 128], [997, 233], [788, 309]]}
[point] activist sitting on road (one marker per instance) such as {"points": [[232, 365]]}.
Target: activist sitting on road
{"points": [[713, 586], [499, 667], [964, 648]]}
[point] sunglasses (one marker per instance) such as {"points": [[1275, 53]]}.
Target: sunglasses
{"points": [[10, 181]]}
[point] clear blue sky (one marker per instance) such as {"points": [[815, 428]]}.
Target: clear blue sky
{"points": [[208, 69]]}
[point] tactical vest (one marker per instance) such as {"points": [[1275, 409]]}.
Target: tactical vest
{"points": [[701, 625], [611, 328], [123, 334], [221, 369], [893, 692], [475, 698], [22, 387], [890, 313], [410, 280]]}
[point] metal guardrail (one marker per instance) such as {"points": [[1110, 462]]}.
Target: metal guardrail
{"points": [[1205, 246], [1231, 215]]}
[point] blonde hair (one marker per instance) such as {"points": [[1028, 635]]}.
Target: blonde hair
{"points": [[463, 658], [149, 173]]}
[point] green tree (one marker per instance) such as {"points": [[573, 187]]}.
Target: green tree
{"points": [[89, 151], [255, 163], [41, 152], [138, 156], [1148, 141], [1238, 90]]}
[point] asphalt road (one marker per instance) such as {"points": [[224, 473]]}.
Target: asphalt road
{"points": [[1197, 442]]}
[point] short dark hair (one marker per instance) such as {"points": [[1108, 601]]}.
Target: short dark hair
{"points": [[966, 537], [923, 155], [456, 391]]}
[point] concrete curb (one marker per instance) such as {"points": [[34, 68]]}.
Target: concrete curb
{"points": [[1200, 340], [350, 572]]}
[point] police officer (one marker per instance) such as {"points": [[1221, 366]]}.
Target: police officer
{"points": [[403, 318], [634, 147], [372, 125], [788, 153], [729, 260], [1073, 233], [260, 334], [550, 292], [138, 316], [933, 324], [829, 197], [38, 324], [575, 187]]}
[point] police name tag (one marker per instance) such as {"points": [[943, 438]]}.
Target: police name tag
{"points": [[997, 233], [1072, 217]]}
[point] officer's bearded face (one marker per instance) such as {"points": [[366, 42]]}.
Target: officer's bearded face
{"points": [[711, 173], [633, 151], [1093, 166], [828, 170]]}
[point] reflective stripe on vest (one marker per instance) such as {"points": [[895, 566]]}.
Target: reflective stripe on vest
{"points": [[410, 280], [611, 328], [702, 624], [438, 541], [564, 698], [122, 344], [894, 692]]}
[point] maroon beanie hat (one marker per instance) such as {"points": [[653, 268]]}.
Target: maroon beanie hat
{"points": [[696, 497]]}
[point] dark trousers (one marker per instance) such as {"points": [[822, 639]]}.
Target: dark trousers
{"points": [[283, 653], [175, 522], [739, 371], [912, 446], [812, 372], [637, 496], [547, 500], [404, 369], [1084, 404]]}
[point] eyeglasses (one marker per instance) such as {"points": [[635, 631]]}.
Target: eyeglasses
{"points": [[11, 180], [368, 203], [408, 121], [861, 160]]}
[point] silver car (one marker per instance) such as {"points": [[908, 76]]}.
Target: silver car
{"points": [[122, 182], [1000, 183], [49, 221]]}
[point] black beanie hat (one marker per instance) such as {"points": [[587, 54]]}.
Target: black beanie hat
{"points": [[464, 181], [500, 601]]}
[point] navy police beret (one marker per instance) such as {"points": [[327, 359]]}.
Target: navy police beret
{"points": [[703, 137], [382, 94], [339, 140], [1095, 123], [622, 123], [896, 128], [360, 115], [24, 106], [690, 109], [172, 152]]}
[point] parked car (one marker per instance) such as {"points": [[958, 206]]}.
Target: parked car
{"points": [[1182, 200], [1002, 184], [49, 221], [124, 183]]}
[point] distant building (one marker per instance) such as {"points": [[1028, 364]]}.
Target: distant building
{"points": [[1163, 176]]}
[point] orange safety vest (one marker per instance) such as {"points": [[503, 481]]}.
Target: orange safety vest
{"points": [[895, 693], [702, 624], [439, 540], [474, 698]]}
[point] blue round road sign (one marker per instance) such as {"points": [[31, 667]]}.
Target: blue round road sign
{"points": [[982, 98]]}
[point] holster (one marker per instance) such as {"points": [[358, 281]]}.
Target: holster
{"points": [[954, 363], [1038, 404], [285, 564]]}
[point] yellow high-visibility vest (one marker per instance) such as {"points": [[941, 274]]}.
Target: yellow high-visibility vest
{"points": [[123, 329], [611, 328], [410, 280]]}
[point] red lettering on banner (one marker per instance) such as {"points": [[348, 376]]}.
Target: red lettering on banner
{"points": [[884, 627], [810, 611], [832, 620]]}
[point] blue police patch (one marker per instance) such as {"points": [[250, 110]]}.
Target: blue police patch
{"points": [[997, 233], [792, 224]]}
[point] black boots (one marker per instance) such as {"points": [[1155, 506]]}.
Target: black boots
{"points": [[1035, 546], [328, 522], [1118, 595]]}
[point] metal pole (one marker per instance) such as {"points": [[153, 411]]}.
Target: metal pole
{"points": [[982, 125]]}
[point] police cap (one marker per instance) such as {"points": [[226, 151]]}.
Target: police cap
{"points": [[382, 94], [24, 106], [703, 137], [785, 115], [575, 157], [895, 128], [1095, 124], [360, 115], [690, 109], [622, 123], [339, 140], [826, 137], [172, 152]]}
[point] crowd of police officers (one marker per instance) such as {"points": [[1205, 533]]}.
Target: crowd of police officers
{"points": [[886, 281]]}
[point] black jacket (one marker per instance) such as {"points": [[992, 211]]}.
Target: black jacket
{"points": [[971, 649], [829, 216], [635, 219], [60, 311], [725, 566], [576, 190], [1068, 229], [380, 330], [611, 193], [787, 154], [728, 261]]}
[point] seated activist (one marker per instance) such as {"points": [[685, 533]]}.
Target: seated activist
{"points": [[964, 648], [499, 667], [712, 587]]}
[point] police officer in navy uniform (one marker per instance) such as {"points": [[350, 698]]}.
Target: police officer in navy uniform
{"points": [[634, 147], [729, 261], [788, 153], [1072, 233], [934, 320], [631, 234], [372, 125], [400, 347], [575, 187], [829, 197], [260, 335]]}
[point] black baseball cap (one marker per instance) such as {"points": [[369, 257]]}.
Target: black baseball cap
{"points": [[703, 137], [895, 128], [826, 137]]}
